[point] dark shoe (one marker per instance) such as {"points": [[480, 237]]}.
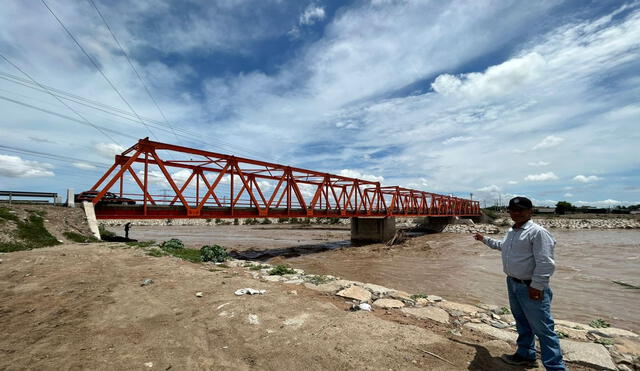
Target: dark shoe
{"points": [[517, 360]]}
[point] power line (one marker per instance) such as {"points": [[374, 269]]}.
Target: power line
{"points": [[124, 114], [59, 100], [97, 67], [133, 67]]}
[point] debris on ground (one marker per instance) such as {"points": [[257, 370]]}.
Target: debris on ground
{"points": [[249, 291], [146, 282], [199, 294]]}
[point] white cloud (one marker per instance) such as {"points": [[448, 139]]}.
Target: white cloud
{"points": [[541, 177], [311, 15], [512, 182], [495, 81], [457, 139], [109, 150], [492, 188], [586, 179], [16, 167], [539, 163], [358, 175], [549, 142], [568, 194], [83, 165]]}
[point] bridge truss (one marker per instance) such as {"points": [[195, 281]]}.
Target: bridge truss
{"points": [[202, 184]]}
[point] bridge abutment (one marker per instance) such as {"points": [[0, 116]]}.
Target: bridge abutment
{"points": [[372, 229]]}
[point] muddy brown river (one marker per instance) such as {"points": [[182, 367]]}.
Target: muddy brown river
{"points": [[453, 266]]}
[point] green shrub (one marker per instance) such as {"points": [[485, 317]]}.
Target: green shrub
{"points": [[418, 296], [280, 270], [605, 341], [504, 310], [236, 221], [77, 237], [266, 221], [334, 220], [6, 214], [215, 253], [283, 220], [319, 280], [599, 323], [257, 267], [251, 221], [218, 221], [208, 220], [156, 253], [172, 244], [191, 255], [33, 232], [294, 220], [140, 244]]}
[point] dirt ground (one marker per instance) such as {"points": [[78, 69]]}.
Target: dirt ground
{"points": [[82, 306]]}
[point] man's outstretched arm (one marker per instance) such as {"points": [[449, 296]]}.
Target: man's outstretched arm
{"points": [[492, 243]]}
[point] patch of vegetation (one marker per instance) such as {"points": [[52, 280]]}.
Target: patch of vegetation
{"points": [[172, 244], [191, 255], [104, 232], [256, 267], [283, 220], [236, 221], [251, 221], [215, 253], [6, 214], [32, 234], [504, 310], [599, 323], [319, 280], [294, 220], [490, 213], [562, 335], [141, 244], [605, 341], [77, 237], [418, 296], [280, 270], [208, 220], [266, 221], [156, 253]]}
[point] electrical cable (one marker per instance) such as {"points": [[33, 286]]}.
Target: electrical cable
{"points": [[98, 68], [146, 88]]}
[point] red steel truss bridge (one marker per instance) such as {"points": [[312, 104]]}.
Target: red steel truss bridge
{"points": [[169, 181]]}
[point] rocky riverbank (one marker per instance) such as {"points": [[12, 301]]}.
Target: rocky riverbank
{"points": [[594, 345]]}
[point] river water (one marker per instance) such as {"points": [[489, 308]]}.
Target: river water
{"points": [[453, 266]]}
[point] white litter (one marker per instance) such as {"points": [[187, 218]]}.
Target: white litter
{"points": [[365, 306], [199, 294], [249, 291]]}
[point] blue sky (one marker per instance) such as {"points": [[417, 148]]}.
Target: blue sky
{"points": [[494, 98]]}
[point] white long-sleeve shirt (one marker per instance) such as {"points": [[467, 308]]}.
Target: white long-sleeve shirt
{"points": [[527, 253]]}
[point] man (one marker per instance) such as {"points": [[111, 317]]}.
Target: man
{"points": [[126, 230], [527, 260]]}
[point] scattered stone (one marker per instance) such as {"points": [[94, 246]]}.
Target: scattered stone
{"points": [[356, 293], [433, 313], [504, 335], [456, 313], [422, 302], [272, 278], [466, 308], [388, 303], [149, 364], [630, 346], [455, 332], [400, 295], [495, 316], [249, 291], [434, 298], [508, 318], [588, 354], [146, 282], [293, 292], [376, 290], [253, 319], [199, 294], [331, 287], [574, 325], [296, 321], [499, 324], [294, 282]]}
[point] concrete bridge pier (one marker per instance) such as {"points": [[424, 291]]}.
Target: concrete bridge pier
{"points": [[372, 229], [434, 223]]}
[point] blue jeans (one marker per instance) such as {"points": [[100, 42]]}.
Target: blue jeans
{"points": [[533, 317]]}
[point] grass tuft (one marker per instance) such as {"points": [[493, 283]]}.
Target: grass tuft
{"points": [[77, 237], [140, 244], [280, 270]]}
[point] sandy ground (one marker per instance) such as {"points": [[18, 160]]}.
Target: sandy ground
{"points": [[82, 306]]}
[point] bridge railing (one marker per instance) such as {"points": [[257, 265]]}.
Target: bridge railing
{"points": [[208, 184]]}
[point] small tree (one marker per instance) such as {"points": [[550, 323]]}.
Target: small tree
{"points": [[564, 206], [215, 253]]}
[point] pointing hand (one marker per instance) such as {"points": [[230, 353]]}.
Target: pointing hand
{"points": [[478, 237]]}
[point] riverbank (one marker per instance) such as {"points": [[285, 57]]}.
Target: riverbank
{"points": [[112, 306]]}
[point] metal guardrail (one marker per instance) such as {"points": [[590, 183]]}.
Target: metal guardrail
{"points": [[12, 194]]}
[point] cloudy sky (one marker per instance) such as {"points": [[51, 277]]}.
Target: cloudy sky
{"points": [[494, 98]]}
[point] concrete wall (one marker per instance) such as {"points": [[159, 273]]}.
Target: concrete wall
{"points": [[371, 230]]}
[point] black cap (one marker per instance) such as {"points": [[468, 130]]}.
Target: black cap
{"points": [[520, 203]]}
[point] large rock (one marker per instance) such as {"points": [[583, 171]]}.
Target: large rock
{"points": [[508, 336], [575, 325], [573, 333], [613, 332], [400, 295], [388, 303], [468, 309], [432, 313], [588, 354], [332, 286], [356, 293]]}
